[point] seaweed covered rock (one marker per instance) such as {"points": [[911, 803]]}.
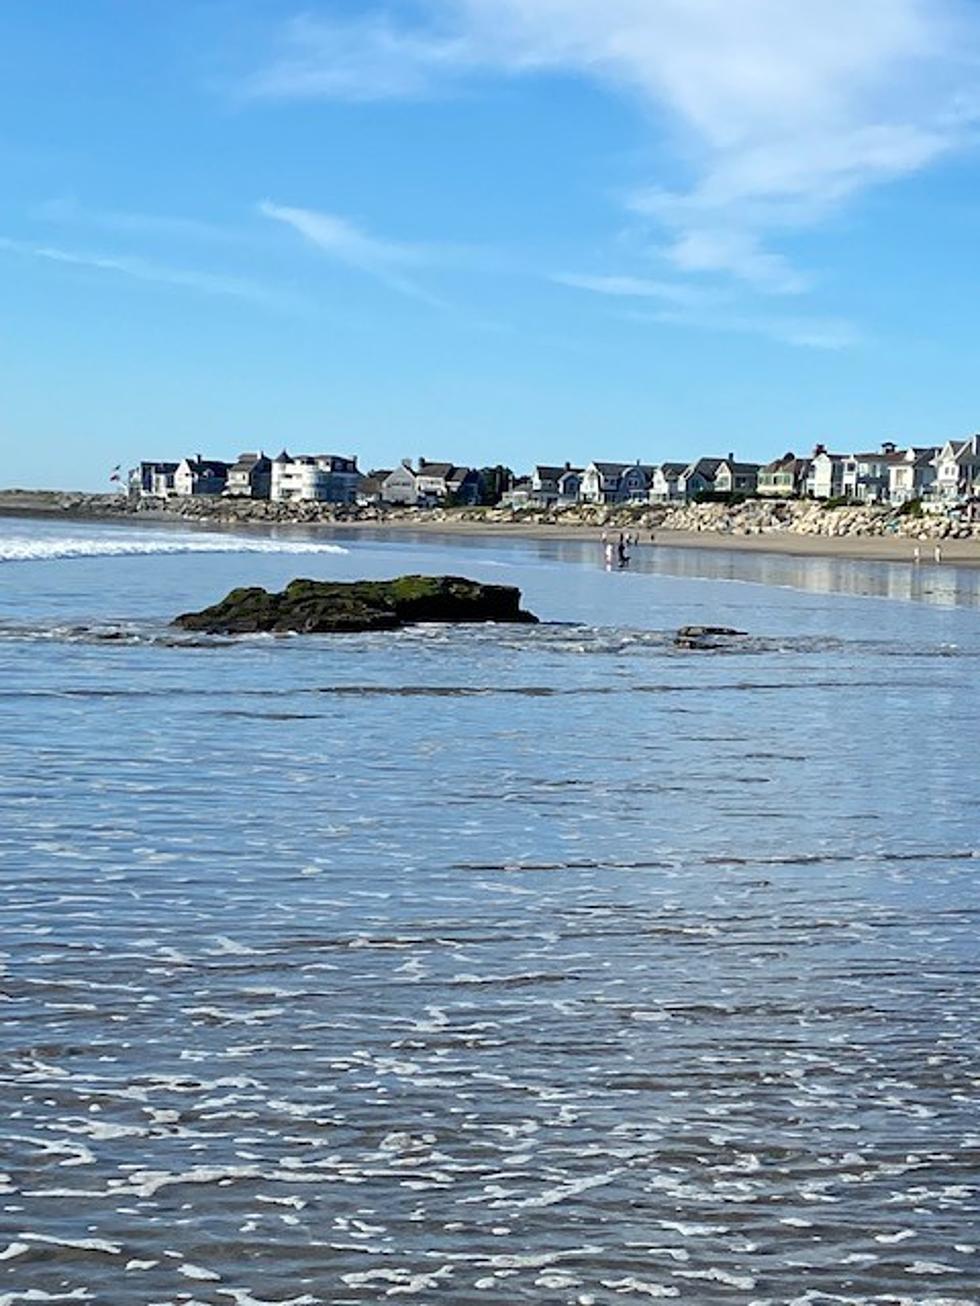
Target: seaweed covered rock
{"points": [[706, 637], [333, 607]]}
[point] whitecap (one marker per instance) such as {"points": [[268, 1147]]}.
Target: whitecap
{"points": [[24, 548]]}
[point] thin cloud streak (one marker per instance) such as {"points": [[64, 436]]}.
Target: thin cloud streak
{"points": [[141, 269], [638, 288], [341, 240], [800, 332]]}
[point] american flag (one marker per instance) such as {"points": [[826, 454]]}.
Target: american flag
{"points": [[115, 474]]}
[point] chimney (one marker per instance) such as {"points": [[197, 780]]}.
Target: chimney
{"points": [[731, 456]]}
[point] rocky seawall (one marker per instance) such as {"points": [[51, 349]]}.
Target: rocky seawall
{"points": [[754, 517]]}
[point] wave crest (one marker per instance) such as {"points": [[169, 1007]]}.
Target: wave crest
{"points": [[25, 548]]}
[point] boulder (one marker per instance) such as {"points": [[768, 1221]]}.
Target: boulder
{"points": [[334, 607], [705, 637]]}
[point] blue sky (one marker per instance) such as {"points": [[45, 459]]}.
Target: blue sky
{"points": [[484, 230]]}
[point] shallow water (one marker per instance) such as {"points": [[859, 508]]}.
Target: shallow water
{"points": [[543, 964]]}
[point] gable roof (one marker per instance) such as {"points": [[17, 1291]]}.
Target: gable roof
{"points": [[706, 467], [426, 468]]}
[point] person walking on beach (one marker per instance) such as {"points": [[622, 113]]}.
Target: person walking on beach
{"points": [[916, 555], [610, 555], [624, 557], [937, 552]]}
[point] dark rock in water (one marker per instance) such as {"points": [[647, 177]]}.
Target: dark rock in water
{"points": [[705, 636], [332, 607]]}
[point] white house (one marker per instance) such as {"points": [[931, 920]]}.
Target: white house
{"points": [[314, 478], [958, 470], [913, 476], [152, 480], [200, 476], [664, 482], [826, 474], [866, 475], [400, 486]]}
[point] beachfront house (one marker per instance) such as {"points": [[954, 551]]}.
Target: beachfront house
{"points": [[600, 482], [913, 475], [430, 483], [200, 476], [866, 475], [785, 477], [569, 485], [664, 482], [519, 494], [958, 470], [399, 488], [604, 482], [369, 491], [250, 477], [698, 478], [552, 485], [314, 478], [826, 474], [736, 478], [152, 480]]}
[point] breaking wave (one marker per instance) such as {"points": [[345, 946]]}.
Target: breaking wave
{"points": [[24, 548]]}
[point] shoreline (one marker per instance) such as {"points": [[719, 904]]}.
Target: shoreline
{"points": [[81, 507]]}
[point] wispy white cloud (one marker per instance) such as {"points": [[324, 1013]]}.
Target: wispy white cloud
{"points": [[800, 331], [671, 292], [341, 240], [779, 114], [141, 269], [67, 212]]}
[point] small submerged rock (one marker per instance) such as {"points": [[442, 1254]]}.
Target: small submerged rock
{"points": [[334, 607], [706, 637]]}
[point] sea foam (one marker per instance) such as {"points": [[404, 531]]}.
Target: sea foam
{"points": [[25, 548]]}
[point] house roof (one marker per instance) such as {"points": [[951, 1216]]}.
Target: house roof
{"points": [[207, 466], [247, 462], [779, 464], [706, 467], [741, 467], [672, 469], [434, 469], [546, 473], [460, 474], [611, 469], [282, 457]]}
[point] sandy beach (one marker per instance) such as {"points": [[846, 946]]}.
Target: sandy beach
{"points": [[891, 548]]}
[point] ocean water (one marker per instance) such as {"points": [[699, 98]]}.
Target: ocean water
{"points": [[535, 964]]}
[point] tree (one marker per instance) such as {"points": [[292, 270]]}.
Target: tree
{"points": [[494, 484]]}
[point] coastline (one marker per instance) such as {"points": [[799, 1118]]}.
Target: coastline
{"points": [[81, 506]]}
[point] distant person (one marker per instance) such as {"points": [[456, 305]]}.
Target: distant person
{"points": [[610, 555], [623, 551], [937, 553], [917, 555]]}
